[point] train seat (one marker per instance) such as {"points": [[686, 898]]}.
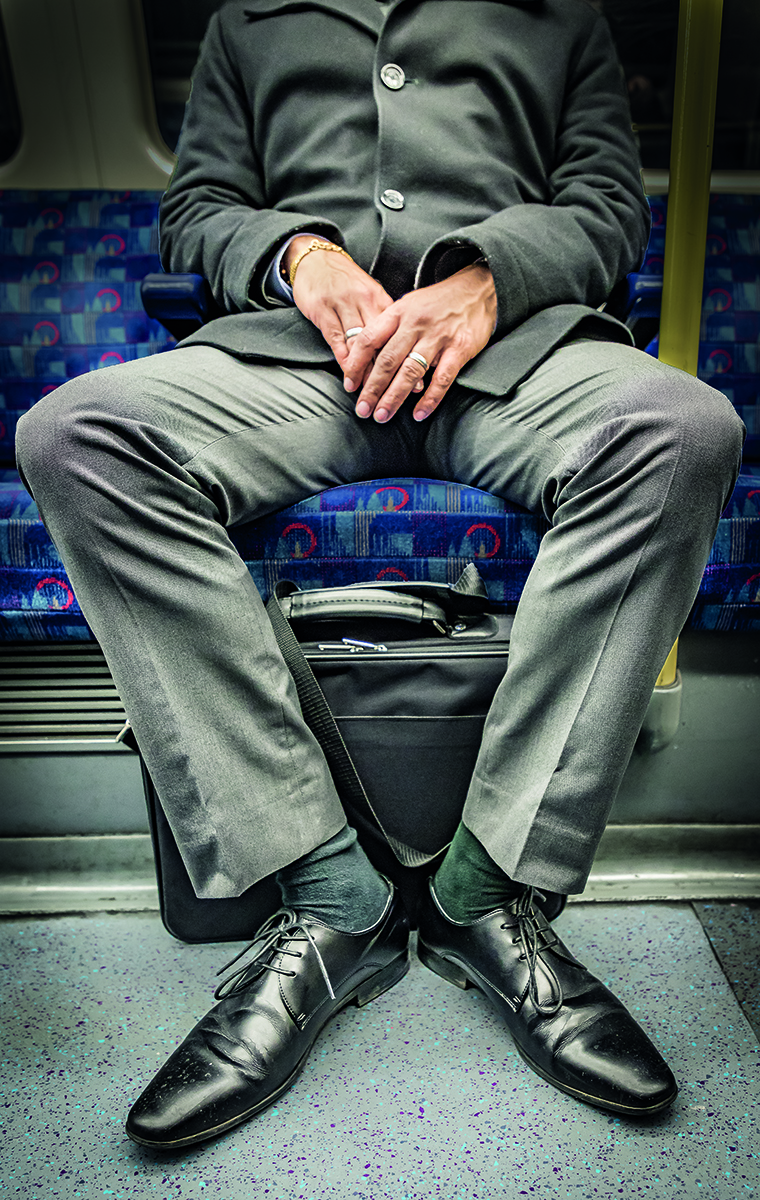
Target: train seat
{"points": [[729, 350], [69, 303]]}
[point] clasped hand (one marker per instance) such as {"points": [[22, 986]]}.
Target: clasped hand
{"points": [[445, 324]]}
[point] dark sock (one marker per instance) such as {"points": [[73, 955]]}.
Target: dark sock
{"points": [[468, 882], [337, 883]]}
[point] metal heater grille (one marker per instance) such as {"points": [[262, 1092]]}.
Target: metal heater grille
{"points": [[57, 695]]}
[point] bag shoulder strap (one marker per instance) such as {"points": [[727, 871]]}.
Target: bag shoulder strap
{"points": [[321, 722]]}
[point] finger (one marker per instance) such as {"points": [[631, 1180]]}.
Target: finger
{"points": [[353, 379], [369, 312], [332, 328], [334, 323], [446, 371], [364, 310], [351, 322], [390, 369], [382, 398], [366, 346]]}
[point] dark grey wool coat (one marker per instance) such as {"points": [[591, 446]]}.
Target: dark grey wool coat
{"points": [[510, 136]]}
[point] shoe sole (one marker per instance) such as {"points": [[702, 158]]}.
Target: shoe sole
{"points": [[363, 993], [455, 973]]}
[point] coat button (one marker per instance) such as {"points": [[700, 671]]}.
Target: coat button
{"points": [[392, 76], [392, 199]]}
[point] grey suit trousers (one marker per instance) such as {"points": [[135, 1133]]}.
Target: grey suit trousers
{"points": [[139, 469]]}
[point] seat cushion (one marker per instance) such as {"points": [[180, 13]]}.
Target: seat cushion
{"points": [[386, 529]]}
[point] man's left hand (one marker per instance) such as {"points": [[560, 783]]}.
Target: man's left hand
{"points": [[446, 324]]}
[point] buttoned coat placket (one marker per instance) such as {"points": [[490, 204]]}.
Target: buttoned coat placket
{"points": [[510, 136]]}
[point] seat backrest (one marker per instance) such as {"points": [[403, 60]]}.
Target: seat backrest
{"points": [[71, 264]]}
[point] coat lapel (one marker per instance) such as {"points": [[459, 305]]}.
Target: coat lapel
{"points": [[368, 15]]}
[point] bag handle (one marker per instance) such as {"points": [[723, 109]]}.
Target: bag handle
{"points": [[348, 602], [442, 603]]}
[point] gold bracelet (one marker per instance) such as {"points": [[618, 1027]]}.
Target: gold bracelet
{"points": [[314, 244]]}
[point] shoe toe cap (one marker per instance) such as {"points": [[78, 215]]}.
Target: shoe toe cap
{"points": [[189, 1100], [614, 1062]]}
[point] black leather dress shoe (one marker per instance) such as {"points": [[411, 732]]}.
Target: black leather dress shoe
{"points": [[566, 1025], [253, 1044]]}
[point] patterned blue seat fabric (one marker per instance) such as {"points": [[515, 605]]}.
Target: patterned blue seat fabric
{"points": [[729, 350], [387, 529], [69, 303], [70, 270]]}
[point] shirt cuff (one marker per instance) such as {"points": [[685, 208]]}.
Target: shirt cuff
{"points": [[276, 289]]}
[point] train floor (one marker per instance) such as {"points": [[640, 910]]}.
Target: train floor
{"points": [[419, 1095]]}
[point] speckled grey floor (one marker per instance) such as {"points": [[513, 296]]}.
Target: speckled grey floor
{"points": [[419, 1095]]}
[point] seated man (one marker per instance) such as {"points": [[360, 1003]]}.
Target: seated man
{"points": [[410, 212]]}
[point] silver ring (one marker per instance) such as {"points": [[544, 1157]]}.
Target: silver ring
{"points": [[352, 332], [418, 358]]}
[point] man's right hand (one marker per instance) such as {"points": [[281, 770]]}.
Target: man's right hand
{"points": [[334, 293]]}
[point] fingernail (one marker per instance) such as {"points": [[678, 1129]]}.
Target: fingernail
{"points": [[362, 408], [381, 415], [419, 414], [349, 385]]}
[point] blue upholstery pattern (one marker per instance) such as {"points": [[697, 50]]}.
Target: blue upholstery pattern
{"points": [[70, 270], [69, 303], [729, 352], [387, 529]]}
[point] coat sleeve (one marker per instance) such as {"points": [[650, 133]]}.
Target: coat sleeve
{"points": [[214, 218], [593, 230]]}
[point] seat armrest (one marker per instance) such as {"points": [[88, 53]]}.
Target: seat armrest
{"points": [[644, 296], [635, 296], [182, 303]]}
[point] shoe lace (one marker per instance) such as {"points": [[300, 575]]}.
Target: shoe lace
{"points": [[534, 940], [282, 927]]}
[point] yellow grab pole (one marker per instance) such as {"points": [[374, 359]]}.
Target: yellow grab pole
{"points": [[667, 676], [689, 191], [688, 196]]}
